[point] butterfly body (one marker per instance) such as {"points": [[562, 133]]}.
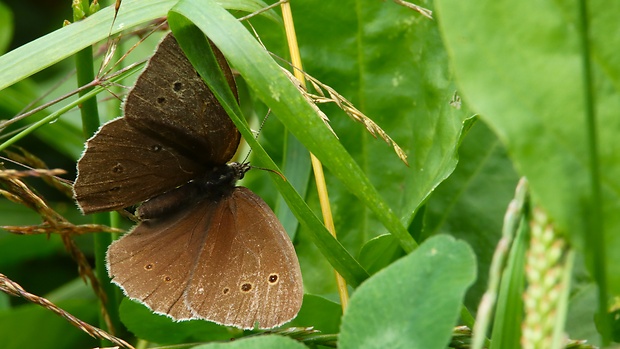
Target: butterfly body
{"points": [[217, 183]]}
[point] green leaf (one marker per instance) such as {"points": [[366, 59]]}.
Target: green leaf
{"points": [[415, 302], [6, 27], [262, 342], [583, 306], [519, 65], [509, 307], [19, 329], [66, 41], [143, 323], [471, 203], [319, 313], [389, 61], [379, 252], [297, 167]]}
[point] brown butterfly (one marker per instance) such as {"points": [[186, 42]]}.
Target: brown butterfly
{"points": [[205, 248]]}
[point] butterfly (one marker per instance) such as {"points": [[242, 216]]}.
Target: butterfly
{"points": [[204, 248]]}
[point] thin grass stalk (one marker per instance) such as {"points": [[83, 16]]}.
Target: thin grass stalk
{"points": [[94, 88], [512, 219], [90, 123], [508, 313], [12, 288], [319, 176], [593, 233]]}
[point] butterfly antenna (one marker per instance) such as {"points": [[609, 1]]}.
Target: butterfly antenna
{"points": [[270, 170], [263, 123], [260, 128], [248, 155]]}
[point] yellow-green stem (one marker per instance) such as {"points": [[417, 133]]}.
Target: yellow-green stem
{"points": [[316, 163]]}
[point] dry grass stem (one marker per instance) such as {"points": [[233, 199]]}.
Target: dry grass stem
{"points": [[423, 11], [53, 223], [31, 173], [331, 96], [40, 169], [64, 229], [12, 288], [310, 100], [109, 49]]}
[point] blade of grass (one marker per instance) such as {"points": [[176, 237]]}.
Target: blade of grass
{"points": [[509, 311], [593, 234], [65, 42], [53, 116]]}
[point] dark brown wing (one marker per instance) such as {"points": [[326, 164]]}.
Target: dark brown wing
{"points": [[247, 273], [171, 102], [122, 167], [173, 130], [153, 263]]}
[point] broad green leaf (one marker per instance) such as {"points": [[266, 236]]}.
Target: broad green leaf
{"points": [[583, 306], [413, 303], [379, 252], [390, 63], [520, 66], [471, 203], [143, 323], [319, 313], [6, 27], [18, 329], [262, 342]]}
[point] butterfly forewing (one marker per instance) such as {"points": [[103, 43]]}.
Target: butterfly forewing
{"points": [[122, 166], [171, 102], [173, 129]]}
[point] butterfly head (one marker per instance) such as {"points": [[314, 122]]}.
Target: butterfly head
{"points": [[239, 169]]}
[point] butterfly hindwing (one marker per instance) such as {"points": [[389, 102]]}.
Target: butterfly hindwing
{"points": [[221, 261], [247, 273]]}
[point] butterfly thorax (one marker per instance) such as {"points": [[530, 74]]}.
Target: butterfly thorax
{"points": [[214, 185]]}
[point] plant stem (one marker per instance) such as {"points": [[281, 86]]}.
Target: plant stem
{"points": [[109, 319], [594, 230], [316, 163]]}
